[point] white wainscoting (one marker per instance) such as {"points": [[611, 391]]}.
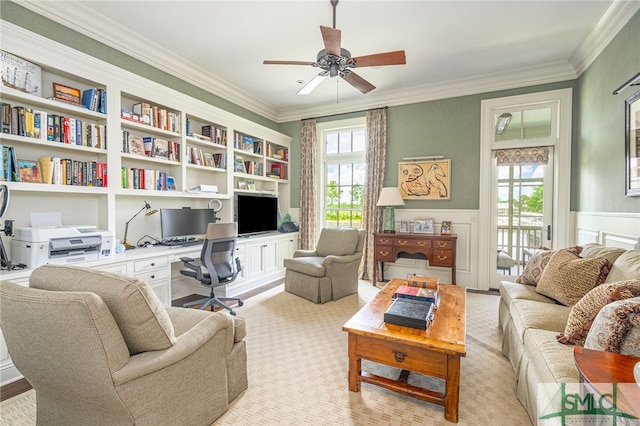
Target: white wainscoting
{"points": [[609, 229]]}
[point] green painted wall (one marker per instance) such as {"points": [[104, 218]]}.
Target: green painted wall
{"points": [[597, 173]]}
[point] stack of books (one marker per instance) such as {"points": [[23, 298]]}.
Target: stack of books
{"points": [[418, 293], [409, 313]]}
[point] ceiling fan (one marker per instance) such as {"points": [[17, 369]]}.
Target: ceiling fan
{"points": [[335, 61]]}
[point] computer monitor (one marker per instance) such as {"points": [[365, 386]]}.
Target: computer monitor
{"points": [[184, 223]]}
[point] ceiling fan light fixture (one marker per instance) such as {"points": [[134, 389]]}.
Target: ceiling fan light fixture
{"points": [[308, 88]]}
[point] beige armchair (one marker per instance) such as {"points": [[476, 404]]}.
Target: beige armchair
{"points": [[329, 272], [99, 348]]}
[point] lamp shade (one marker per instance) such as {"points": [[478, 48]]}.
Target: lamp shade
{"points": [[390, 196]]}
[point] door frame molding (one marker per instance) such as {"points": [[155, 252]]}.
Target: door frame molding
{"points": [[562, 174]]}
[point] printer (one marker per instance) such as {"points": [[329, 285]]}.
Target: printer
{"points": [[35, 246]]}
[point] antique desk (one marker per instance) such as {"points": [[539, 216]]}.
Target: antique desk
{"points": [[439, 250]]}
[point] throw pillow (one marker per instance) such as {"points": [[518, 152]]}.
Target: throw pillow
{"points": [[140, 315], [533, 269], [568, 277], [337, 241], [584, 312], [616, 327]]}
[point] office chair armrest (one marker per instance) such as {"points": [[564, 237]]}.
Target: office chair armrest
{"points": [[186, 261]]}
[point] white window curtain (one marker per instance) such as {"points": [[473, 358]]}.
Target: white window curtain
{"points": [[308, 154]]}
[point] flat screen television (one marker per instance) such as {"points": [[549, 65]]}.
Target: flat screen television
{"points": [[181, 223], [256, 213]]}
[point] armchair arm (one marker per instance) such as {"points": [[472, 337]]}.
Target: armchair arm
{"points": [[305, 253], [341, 259]]}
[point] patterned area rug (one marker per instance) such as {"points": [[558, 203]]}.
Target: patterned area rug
{"points": [[297, 361]]}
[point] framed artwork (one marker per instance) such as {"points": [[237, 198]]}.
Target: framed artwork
{"points": [[251, 185], [242, 184], [423, 225], [405, 227], [29, 171], [445, 228], [632, 145], [425, 179], [67, 94]]}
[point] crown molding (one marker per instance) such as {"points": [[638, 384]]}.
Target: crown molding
{"points": [[608, 26], [78, 18]]}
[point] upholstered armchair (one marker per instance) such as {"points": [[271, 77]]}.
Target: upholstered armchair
{"points": [[99, 348], [329, 272]]}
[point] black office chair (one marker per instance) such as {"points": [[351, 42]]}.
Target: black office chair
{"points": [[218, 266]]}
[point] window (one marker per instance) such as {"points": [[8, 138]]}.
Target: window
{"points": [[343, 173]]}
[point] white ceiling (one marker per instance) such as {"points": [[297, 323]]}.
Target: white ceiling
{"points": [[452, 47]]}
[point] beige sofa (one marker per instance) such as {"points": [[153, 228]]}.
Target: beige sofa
{"points": [[99, 348], [531, 323]]}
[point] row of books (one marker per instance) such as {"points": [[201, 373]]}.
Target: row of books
{"points": [[23, 121], [137, 178], [278, 171], [95, 99], [247, 143], [150, 146], [210, 133], [153, 116], [277, 153], [202, 158]]}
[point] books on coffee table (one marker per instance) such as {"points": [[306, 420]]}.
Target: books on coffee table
{"points": [[409, 313], [420, 281], [419, 293]]}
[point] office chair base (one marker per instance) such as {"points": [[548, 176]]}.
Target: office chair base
{"points": [[205, 303]]}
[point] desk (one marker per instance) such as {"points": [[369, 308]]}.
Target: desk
{"points": [[439, 250]]}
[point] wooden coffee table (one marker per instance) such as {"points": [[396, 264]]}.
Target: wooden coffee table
{"points": [[433, 352]]}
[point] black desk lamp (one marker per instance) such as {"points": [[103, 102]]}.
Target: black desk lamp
{"points": [[149, 212]]}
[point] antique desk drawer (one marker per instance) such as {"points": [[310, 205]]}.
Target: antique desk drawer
{"points": [[443, 244], [442, 258], [412, 243], [384, 254], [383, 240]]}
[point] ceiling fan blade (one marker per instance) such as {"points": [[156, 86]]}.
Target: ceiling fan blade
{"points": [[287, 63], [331, 38], [312, 84], [359, 83], [388, 58]]}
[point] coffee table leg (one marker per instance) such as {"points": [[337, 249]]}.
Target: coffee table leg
{"points": [[355, 364], [452, 389]]}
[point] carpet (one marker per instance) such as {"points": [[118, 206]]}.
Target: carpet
{"points": [[297, 362]]}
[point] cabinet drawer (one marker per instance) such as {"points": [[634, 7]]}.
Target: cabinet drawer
{"points": [[160, 274], [383, 241], [442, 258], [145, 265], [443, 244], [384, 254], [403, 356], [412, 243]]}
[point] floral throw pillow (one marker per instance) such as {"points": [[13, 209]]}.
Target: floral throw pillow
{"points": [[584, 312], [568, 277], [533, 269], [617, 328]]}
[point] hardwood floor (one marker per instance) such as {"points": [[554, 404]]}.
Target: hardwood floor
{"points": [[22, 385]]}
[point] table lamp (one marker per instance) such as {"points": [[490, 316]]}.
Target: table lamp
{"points": [[149, 212], [389, 197]]}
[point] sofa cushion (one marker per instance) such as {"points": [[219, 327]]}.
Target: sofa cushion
{"points": [[510, 291], [143, 321], [552, 361], [337, 241], [626, 267], [617, 328], [529, 314], [533, 269], [598, 250], [568, 277], [584, 312]]}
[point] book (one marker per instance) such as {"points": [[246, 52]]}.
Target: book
{"points": [[136, 146], [90, 99], [409, 313], [426, 282], [418, 293]]}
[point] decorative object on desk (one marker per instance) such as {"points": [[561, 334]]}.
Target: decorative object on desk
{"points": [[409, 313], [20, 74], [423, 225], [149, 212], [424, 282], [389, 197], [425, 180], [67, 94], [445, 229], [405, 227], [632, 145]]}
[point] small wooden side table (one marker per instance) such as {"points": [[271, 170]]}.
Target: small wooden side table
{"points": [[598, 369]]}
